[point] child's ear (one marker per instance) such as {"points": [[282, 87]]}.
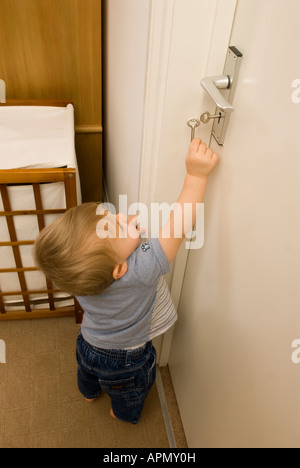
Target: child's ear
{"points": [[119, 270]]}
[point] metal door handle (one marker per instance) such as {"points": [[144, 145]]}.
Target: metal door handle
{"points": [[212, 85], [221, 89]]}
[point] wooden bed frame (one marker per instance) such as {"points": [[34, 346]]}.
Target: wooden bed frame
{"points": [[34, 177]]}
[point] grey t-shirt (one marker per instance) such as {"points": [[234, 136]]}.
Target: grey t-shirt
{"points": [[133, 309]]}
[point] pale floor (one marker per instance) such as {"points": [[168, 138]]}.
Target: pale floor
{"points": [[40, 405]]}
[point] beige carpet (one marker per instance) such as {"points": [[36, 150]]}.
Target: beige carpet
{"points": [[40, 405]]}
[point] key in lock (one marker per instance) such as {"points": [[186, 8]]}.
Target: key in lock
{"points": [[206, 117]]}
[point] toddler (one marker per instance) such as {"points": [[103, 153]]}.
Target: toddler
{"points": [[118, 281]]}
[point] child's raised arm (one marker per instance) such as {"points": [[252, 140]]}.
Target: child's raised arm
{"points": [[200, 162]]}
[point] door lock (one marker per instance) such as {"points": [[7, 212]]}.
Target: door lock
{"points": [[221, 89]]}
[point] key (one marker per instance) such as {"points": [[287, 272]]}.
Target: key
{"points": [[193, 124], [206, 117]]}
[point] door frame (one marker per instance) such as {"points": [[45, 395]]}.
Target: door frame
{"points": [[159, 43]]}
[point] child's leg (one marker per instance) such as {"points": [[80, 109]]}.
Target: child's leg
{"points": [[88, 383], [125, 375], [129, 390]]}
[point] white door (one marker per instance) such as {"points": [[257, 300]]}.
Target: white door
{"points": [[231, 356]]}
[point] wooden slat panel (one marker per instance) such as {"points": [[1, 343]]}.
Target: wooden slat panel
{"points": [[30, 212], [39, 206], [15, 248], [70, 190], [38, 313], [34, 177], [16, 270], [88, 129], [27, 293], [30, 176], [10, 244], [41, 223]]}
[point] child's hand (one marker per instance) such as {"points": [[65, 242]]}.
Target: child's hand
{"points": [[200, 161]]}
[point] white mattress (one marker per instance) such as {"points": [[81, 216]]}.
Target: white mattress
{"points": [[33, 137]]}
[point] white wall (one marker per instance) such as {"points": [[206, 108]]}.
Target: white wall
{"points": [[125, 41]]}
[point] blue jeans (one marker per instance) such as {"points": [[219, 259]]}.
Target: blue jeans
{"points": [[126, 375]]}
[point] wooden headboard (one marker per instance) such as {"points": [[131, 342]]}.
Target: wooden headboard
{"points": [[51, 49], [36, 102]]}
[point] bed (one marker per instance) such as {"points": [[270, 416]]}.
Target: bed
{"points": [[38, 181]]}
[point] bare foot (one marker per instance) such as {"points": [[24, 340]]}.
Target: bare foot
{"points": [[112, 414], [90, 400]]}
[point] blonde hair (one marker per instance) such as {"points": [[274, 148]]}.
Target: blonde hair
{"points": [[70, 253]]}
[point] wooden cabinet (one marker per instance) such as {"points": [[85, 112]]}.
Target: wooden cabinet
{"points": [[51, 49]]}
